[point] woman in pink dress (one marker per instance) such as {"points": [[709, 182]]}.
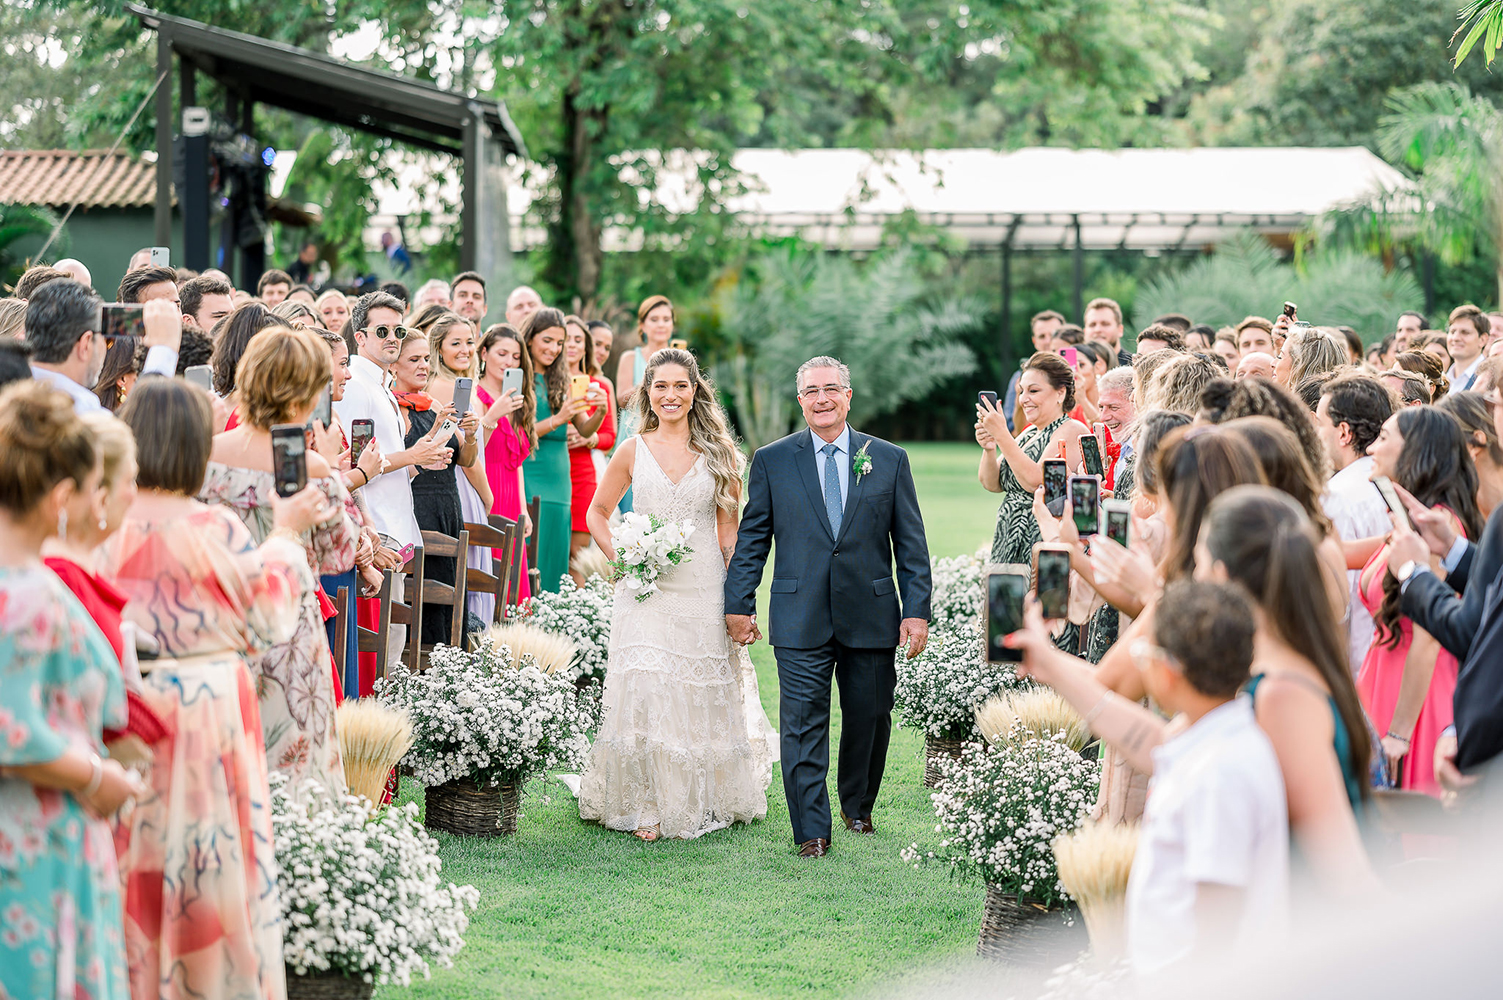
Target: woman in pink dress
{"points": [[509, 434], [1407, 680]]}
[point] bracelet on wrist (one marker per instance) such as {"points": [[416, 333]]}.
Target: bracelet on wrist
{"points": [[96, 778], [1395, 736]]}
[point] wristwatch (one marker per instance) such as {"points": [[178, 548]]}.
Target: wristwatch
{"points": [[1405, 572]]}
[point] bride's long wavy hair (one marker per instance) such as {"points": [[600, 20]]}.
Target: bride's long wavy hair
{"points": [[709, 433]]}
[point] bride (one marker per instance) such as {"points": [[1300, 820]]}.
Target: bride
{"points": [[684, 747]]}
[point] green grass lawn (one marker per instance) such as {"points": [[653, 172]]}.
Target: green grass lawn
{"points": [[571, 910]]}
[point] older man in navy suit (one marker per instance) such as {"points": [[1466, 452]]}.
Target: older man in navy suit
{"points": [[842, 508]]}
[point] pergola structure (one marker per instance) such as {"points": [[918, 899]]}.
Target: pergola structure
{"points": [[254, 71]]}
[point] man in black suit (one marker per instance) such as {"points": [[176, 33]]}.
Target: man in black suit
{"points": [[842, 508], [1464, 613]]}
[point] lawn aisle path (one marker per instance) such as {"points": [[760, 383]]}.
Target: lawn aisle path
{"points": [[570, 910]]}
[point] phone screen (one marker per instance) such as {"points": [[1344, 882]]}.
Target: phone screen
{"points": [[1085, 498], [1116, 525], [1055, 475], [123, 319], [1090, 450], [1289, 309], [511, 381], [1054, 582], [201, 376], [987, 396], [289, 459], [462, 387], [1005, 591], [1391, 497], [362, 432]]}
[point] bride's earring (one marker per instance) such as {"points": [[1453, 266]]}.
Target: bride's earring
{"points": [[62, 524]]}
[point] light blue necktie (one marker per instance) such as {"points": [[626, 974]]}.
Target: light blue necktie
{"points": [[832, 488]]}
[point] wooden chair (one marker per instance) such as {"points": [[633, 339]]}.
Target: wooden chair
{"points": [[366, 640], [436, 543], [534, 575], [410, 612], [514, 558], [478, 581]]}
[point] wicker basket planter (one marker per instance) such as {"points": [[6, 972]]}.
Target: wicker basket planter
{"points": [[327, 986], [1028, 935], [466, 806], [936, 747]]}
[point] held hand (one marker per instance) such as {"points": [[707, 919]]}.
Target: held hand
{"points": [[914, 634], [221, 413], [504, 406], [116, 787], [742, 629], [372, 463], [370, 580], [1452, 781], [1405, 546], [984, 437], [595, 396], [574, 407], [164, 324], [326, 441], [1048, 524], [469, 422], [386, 558], [302, 511], [428, 453], [1035, 642], [1125, 577], [991, 418], [1395, 750], [573, 439], [1433, 525], [1283, 323]]}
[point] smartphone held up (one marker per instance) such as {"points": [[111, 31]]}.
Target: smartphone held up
{"points": [[1006, 592]]}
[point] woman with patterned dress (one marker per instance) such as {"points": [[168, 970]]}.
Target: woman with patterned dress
{"points": [[1014, 467], [201, 911], [60, 686], [547, 467], [281, 376], [507, 423]]}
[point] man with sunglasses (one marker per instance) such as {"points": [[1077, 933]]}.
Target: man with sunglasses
{"points": [[64, 324], [378, 331]]}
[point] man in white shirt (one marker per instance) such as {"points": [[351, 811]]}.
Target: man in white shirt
{"points": [[377, 324], [1466, 340], [64, 326], [1350, 413]]}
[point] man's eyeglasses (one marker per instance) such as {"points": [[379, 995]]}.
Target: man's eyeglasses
{"points": [[814, 392], [383, 332]]}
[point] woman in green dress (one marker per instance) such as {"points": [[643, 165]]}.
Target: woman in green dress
{"points": [[547, 468], [1012, 466]]}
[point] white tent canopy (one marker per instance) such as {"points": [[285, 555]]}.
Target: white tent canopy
{"points": [[1029, 199]]}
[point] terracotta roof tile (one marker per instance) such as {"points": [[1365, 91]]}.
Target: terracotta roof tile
{"points": [[91, 178]]}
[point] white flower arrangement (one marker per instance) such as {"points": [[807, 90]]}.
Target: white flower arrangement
{"points": [[999, 809], [486, 716], [959, 595], [360, 892], [939, 690], [582, 614], [645, 547]]}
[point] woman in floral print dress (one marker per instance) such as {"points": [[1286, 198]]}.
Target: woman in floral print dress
{"points": [[282, 373], [60, 933]]}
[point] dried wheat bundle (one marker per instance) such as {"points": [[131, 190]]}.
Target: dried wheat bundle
{"points": [[1039, 712], [1094, 863], [553, 653], [590, 561], [372, 739]]}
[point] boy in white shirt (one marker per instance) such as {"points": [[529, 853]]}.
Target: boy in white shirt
{"points": [[1211, 872]]}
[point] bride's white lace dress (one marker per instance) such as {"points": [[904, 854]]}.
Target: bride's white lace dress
{"points": [[684, 744]]}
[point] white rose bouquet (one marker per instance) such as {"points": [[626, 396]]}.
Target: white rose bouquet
{"points": [[360, 892], [999, 809], [645, 547]]}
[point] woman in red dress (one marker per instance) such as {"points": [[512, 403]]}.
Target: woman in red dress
{"points": [[580, 355], [509, 435]]}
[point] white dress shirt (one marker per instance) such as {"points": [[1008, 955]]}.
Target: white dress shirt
{"points": [[842, 459], [1216, 814], [160, 360], [1357, 510], [389, 496], [1461, 379]]}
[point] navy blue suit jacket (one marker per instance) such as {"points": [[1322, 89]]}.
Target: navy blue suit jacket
{"points": [[825, 587]]}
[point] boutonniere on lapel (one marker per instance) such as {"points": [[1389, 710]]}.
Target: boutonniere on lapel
{"points": [[862, 463]]}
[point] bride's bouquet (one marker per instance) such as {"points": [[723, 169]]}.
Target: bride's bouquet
{"points": [[645, 547]]}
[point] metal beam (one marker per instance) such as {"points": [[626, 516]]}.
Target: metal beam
{"points": [[162, 214]]}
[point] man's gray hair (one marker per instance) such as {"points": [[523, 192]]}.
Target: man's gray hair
{"points": [[1119, 379], [431, 284], [823, 361]]}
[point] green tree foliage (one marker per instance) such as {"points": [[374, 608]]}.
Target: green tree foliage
{"points": [[23, 225], [898, 337], [1247, 277]]}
